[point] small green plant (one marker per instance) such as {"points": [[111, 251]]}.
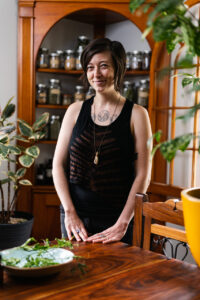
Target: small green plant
{"points": [[18, 157]]}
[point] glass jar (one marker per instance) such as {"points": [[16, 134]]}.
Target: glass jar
{"points": [[128, 90], [79, 94], [146, 58], [82, 41], [54, 61], [70, 60], [137, 60], [61, 58], [41, 95], [90, 93], [143, 93], [43, 58], [55, 124], [128, 61], [54, 91], [67, 99], [78, 58]]}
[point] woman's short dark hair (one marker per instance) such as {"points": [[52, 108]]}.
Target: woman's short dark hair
{"points": [[118, 55]]}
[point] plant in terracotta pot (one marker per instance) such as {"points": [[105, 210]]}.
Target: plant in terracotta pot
{"points": [[16, 159], [172, 22]]}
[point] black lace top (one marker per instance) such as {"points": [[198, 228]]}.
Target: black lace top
{"points": [[103, 187]]}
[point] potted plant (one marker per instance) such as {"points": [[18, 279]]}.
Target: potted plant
{"points": [[17, 153], [172, 22]]}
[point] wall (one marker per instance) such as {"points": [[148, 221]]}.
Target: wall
{"points": [[8, 55]]}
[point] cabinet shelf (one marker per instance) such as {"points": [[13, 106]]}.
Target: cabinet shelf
{"points": [[80, 72], [60, 71], [47, 142], [52, 106]]}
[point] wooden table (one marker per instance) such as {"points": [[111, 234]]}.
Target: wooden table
{"points": [[115, 271]]}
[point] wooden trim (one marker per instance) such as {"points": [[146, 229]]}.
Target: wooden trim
{"points": [[172, 233]]}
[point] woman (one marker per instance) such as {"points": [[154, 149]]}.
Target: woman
{"points": [[101, 159]]}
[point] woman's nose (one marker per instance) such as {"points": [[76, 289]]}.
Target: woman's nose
{"points": [[97, 71]]}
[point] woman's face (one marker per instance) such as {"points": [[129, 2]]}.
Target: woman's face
{"points": [[100, 72]]}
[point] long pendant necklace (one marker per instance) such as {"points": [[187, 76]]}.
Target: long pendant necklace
{"points": [[97, 151]]}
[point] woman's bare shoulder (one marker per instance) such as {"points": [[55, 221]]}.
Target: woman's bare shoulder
{"points": [[139, 112]]}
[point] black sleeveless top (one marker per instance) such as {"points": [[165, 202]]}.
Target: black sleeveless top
{"points": [[101, 189]]}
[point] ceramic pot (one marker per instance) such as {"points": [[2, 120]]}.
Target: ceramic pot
{"points": [[191, 212], [13, 235]]}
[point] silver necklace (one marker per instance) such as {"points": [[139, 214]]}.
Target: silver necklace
{"points": [[97, 151]]}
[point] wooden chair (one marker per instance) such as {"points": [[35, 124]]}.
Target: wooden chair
{"points": [[150, 218]]}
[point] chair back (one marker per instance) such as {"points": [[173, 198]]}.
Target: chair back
{"points": [[150, 218]]}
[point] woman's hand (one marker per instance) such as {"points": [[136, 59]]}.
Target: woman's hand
{"points": [[75, 227], [112, 234]]}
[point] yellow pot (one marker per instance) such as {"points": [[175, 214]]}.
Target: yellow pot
{"points": [[191, 212]]}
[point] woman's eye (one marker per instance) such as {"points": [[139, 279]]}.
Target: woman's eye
{"points": [[104, 66], [89, 68]]}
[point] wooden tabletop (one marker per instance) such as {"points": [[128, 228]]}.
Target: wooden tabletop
{"points": [[114, 271]]}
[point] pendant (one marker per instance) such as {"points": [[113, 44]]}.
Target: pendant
{"points": [[96, 158]]}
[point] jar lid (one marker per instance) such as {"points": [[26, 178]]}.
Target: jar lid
{"points": [[41, 85], [129, 53], [147, 52], [83, 38], [79, 87], [56, 117], [54, 54], [69, 51], [44, 50], [59, 52], [54, 80], [144, 82], [127, 83]]}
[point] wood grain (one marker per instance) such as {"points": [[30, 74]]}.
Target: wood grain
{"points": [[115, 271]]}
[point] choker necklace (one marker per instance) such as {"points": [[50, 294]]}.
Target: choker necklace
{"points": [[97, 151]]}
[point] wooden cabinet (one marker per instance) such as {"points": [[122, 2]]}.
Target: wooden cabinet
{"points": [[36, 19]]}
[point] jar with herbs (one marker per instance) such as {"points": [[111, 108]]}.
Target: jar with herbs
{"points": [[79, 94], [54, 91], [43, 58], [61, 58], [41, 95], [128, 90], [78, 58], [82, 41], [146, 58], [55, 124], [90, 93], [128, 61], [54, 60], [70, 60], [67, 99], [143, 93], [137, 60]]}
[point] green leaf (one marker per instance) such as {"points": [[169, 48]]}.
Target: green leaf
{"points": [[186, 61], [163, 27], [8, 110], [41, 122], [21, 138], [20, 173], [7, 129], [14, 150], [11, 175], [37, 136], [5, 180], [25, 128], [186, 81], [190, 113], [4, 151], [26, 161], [4, 138], [33, 151], [25, 182], [134, 4]]}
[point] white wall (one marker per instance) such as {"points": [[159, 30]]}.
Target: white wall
{"points": [[8, 55], [8, 50]]}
